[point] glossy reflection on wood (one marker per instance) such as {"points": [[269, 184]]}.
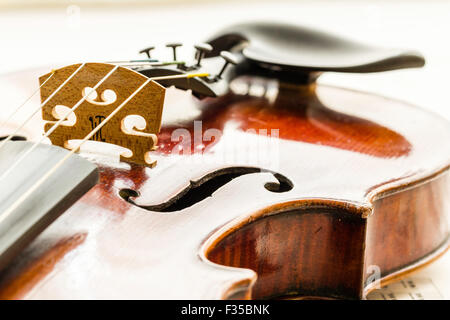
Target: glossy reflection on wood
{"points": [[370, 188], [303, 252], [302, 117], [326, 253]]}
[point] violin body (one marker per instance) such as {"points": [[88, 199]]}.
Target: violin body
{"points": [[351, 185], [261, 183]]}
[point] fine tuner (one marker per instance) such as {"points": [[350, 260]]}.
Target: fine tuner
{"points": [[291, 55], [147, 51], [205, 87]]}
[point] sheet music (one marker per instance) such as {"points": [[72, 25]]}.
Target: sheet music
{"points": [[430, 283]]}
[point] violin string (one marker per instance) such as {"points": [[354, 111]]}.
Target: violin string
{"points": [[58, 123], [138, 63], [122, 63], [52, 170], [26, 101], [41, 106]]}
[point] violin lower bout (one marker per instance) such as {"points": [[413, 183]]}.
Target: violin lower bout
{"points": [[322, 249]]}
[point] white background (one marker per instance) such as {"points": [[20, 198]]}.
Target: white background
{"points": [[31, 36]]}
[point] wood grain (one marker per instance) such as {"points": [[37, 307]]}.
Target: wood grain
{"points": [[371, 187], [147, 104]]}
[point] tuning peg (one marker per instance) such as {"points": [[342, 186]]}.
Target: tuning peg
{"points": [[147, 51], [174, 46], [202, 49], [229, 58]]}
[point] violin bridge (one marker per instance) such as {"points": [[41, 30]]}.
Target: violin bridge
{"points": [[94, 92]]}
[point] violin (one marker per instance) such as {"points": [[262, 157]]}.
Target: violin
{"points": [[231, 175]]}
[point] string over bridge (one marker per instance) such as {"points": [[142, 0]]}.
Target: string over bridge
{"points": [[97, 104]]}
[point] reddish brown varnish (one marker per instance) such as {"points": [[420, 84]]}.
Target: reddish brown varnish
{"points": [[308, 121], [371, 188], [307, 251]]}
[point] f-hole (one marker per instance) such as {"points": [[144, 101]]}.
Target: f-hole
{"points": [[205, 187]]}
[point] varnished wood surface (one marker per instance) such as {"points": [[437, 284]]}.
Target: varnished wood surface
{"points": [[357, 162], [307, 251]]}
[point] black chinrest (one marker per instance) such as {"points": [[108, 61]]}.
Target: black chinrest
{"points": [[280, 51], [294, 49]]}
